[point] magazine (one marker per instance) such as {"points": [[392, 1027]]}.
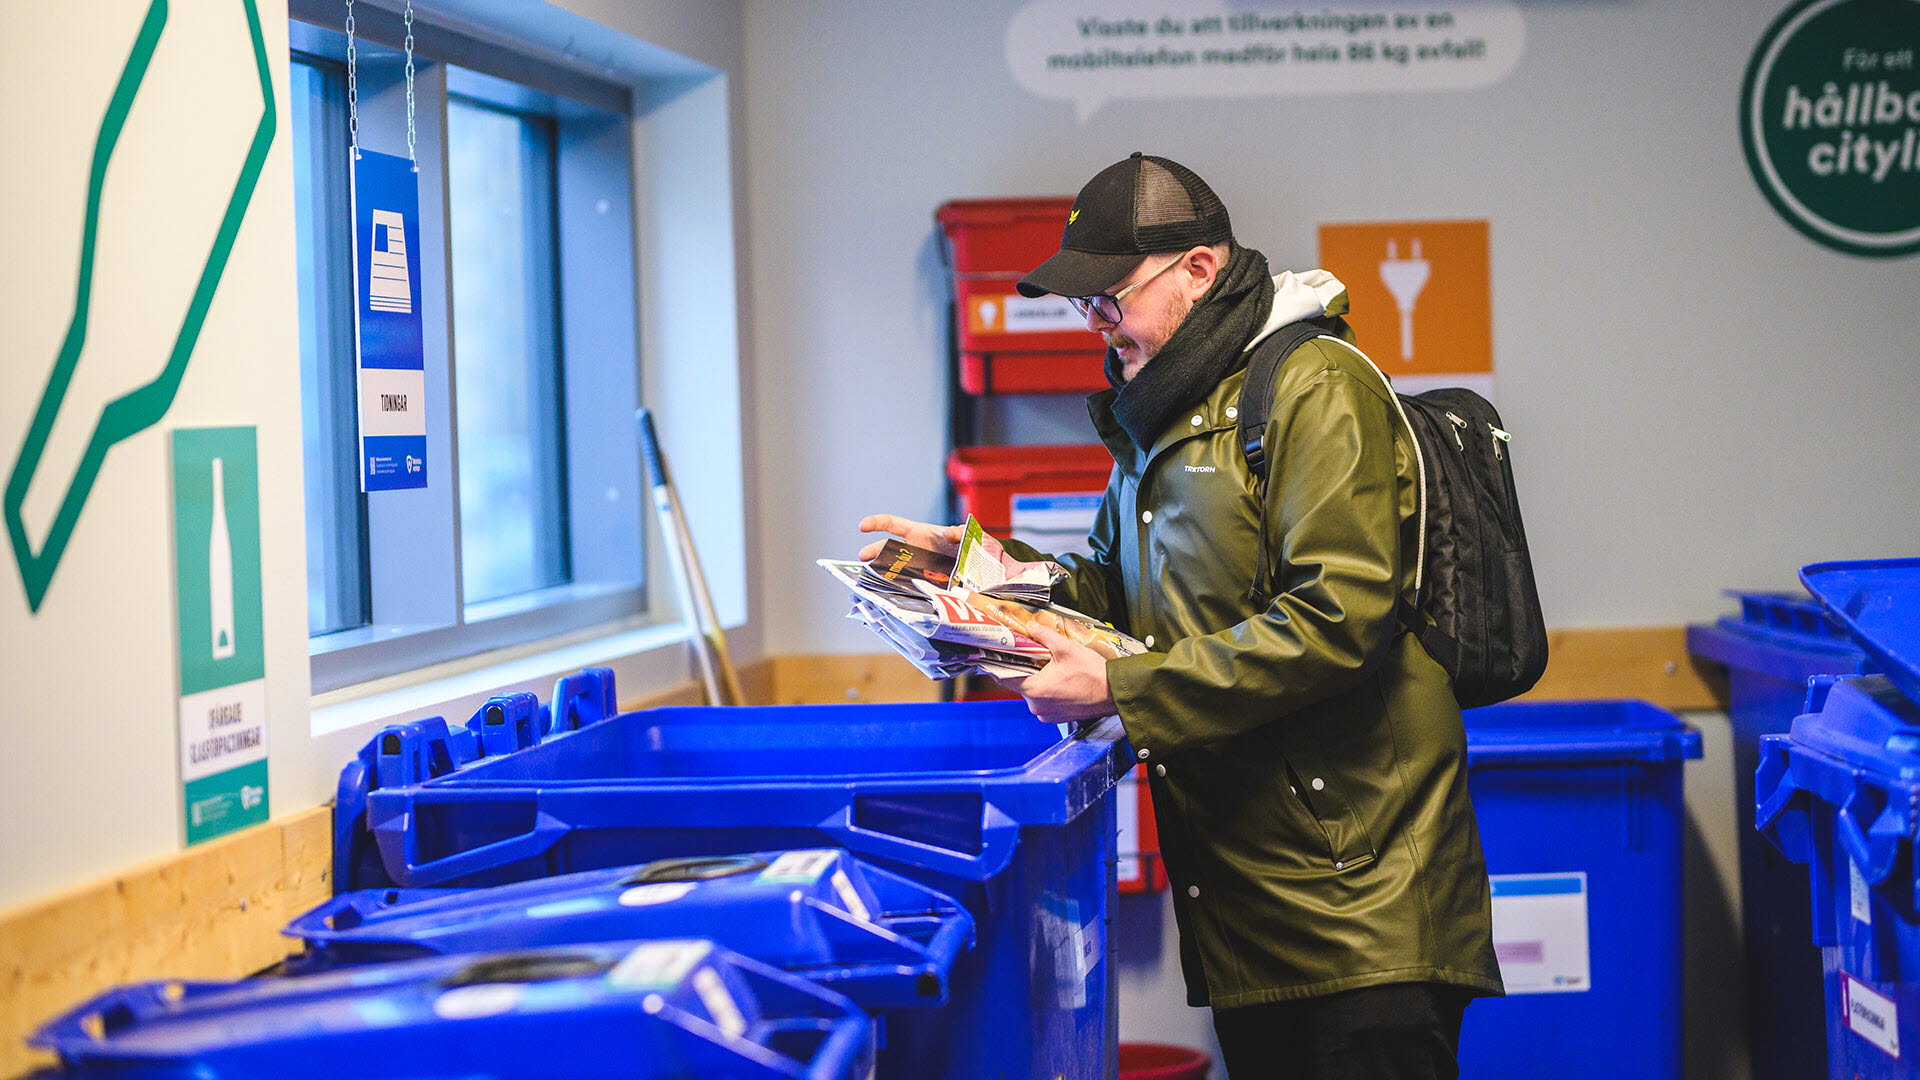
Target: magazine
{"points": [[963, 614]]}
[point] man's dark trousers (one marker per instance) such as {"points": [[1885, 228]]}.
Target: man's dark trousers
{"points": [[1402, 1031]]}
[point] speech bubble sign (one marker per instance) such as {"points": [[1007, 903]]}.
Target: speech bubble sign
{"points": [[1094, 52]]}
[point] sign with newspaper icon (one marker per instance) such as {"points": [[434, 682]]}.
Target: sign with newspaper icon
{"points": [[393, 420]]}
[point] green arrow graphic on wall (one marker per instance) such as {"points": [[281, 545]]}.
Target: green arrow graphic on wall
{"points": [[142, 407]]}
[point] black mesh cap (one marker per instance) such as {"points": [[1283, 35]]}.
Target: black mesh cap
{"points": [[1132, 209]]}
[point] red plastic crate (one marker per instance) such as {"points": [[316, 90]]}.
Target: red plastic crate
{"points": [[1140, 869], [1033, 373], [992, 317], [1003, 236], [988, 477]]}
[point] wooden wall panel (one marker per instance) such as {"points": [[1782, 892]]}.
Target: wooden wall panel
{"points": [[211, 912]]}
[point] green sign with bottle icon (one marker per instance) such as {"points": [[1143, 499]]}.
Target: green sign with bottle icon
{"points": [[223, 699], [1830, 119]]}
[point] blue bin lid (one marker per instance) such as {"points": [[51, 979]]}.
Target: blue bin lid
{"points": [[1878, 602], [1781, 635], [881, 939], [1867, 722], [1577, 733], [657, 1009]]}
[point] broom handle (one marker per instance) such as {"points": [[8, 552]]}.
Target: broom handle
{"points": [[710, 640]]}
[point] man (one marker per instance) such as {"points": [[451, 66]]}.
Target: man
{"points": [[1307, 759]]}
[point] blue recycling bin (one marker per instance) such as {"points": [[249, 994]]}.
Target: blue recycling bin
{"points": [[656, 1010], [1841, 792], [976, 800], [1770, 650], [1581, 817], [876, 937]]}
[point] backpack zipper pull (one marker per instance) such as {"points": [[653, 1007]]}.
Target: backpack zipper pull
{"points": [[1498, 438], [1459, 426]]}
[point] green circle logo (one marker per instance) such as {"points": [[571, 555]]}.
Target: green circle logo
{"points": [[1830, 118]]}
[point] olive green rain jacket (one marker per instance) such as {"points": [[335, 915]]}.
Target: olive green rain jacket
{"points": [[1306, 758]]}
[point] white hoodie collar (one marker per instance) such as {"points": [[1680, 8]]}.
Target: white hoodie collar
{"points": [[1297, 296]]}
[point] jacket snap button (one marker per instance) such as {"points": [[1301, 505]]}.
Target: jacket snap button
{"points": [[1196, 421], [1149, 641], [1232, 412], [1146, 515], [1193, 891], [1339, 866], [1319, 784], [1160, 770], [1143, 754]]}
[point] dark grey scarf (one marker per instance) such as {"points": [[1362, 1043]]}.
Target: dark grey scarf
{"points": [[1203, 350]]}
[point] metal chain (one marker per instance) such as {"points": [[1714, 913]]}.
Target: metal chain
{"points": [[410, 135], [353, 89]]}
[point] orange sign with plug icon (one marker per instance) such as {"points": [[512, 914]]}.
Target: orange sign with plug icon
{"points": [[1421, 293]]}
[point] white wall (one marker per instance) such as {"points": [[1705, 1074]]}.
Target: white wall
{"points": [[89, 779]]}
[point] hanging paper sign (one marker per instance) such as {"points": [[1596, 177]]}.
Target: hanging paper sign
{"points": [[393, 419]]}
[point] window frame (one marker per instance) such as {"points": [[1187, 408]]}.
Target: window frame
{"points": [[417, 612]]}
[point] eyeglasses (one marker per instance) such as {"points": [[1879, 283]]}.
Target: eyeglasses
{"points": [[1107, 306]]}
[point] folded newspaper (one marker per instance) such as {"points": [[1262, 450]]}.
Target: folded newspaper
{"points": [[962, 614]]}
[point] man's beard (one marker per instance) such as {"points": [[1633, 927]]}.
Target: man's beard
{"points": [[1177, 308]]}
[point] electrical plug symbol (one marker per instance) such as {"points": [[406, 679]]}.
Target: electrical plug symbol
{"points": [[1405, 278]]}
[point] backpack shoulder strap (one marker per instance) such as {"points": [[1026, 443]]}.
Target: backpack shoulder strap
{"points": [[1256, 406], [1256, 393]]}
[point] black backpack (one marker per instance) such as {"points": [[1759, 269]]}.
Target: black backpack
{"points": [[1477, 609]]}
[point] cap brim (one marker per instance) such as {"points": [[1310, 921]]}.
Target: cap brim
{"points": [[1077, 273]]}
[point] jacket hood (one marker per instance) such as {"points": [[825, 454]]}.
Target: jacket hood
{"points": [[1307, 294]]}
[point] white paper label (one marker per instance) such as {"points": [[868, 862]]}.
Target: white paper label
{"points": [[1860, 900], [658, 965], [1056, 523], [1870, 1015], [223, 728], [660, 892], [474, 1002], [393, 402], [798, 867], [1540, 932]]}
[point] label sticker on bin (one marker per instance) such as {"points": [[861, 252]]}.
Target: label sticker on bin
{"points": [[1859, 900], [1011, 313], [660, 892], [798, 867], [659, 965], [1059, 523], [1540, 932], [1870, 1014]]}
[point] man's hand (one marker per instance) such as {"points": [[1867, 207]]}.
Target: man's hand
{"points": [[944, 539], [1073, 685]]}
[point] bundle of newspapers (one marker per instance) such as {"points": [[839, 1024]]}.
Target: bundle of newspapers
{"points": [[963, 614]]}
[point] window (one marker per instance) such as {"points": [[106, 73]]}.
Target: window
{"points": [[336, 512], [513, 520], [532, 519]]}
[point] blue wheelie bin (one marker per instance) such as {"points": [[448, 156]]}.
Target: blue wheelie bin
{"points": [[975, 800], [1841, 792], [1776, 643], [656, 1010], [1581, 817], [878, 938]]}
